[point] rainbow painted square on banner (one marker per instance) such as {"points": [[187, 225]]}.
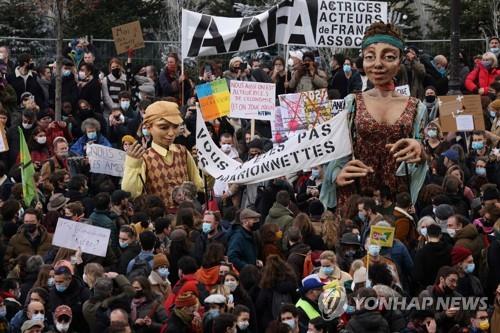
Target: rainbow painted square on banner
{"points": [[214, 99]]}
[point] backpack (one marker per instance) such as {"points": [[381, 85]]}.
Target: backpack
{"points": [[141, 267], [278, 300]]}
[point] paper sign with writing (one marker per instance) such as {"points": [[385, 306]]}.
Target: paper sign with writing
{"points": [[106, 160], [253, 100], [214, 99], [403, 90], [383, 236], [451, 108], [73, 235], [128, 36]]}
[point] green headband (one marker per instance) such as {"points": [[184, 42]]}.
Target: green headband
{"points": [[396, 42]]}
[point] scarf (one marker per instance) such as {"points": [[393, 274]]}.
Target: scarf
{"points": [[186, 318], [136, 302]]}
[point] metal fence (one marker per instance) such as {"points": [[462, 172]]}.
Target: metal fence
{"points": [[153, 50]]}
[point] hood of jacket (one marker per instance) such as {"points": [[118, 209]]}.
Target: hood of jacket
{"points": [[278, 210], [469, 232]]}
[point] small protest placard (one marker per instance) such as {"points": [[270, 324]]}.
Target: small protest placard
{"points": [[214, 99], [106, 160], [403, 90], [383, 236], [73, 235], [128, 36], [253, 100], [460, 113]]}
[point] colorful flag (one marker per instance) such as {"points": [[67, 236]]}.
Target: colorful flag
{"points": [[27, 171]]}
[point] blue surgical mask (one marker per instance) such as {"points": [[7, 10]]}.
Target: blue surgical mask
{"points": [[327, 270], [432, 133], [486, 63], [66, 73], [61, 287], [494, 49], [349, 309], [477, 145], [362, 216], [92, 135], [125, 105], [423, 231], [123, 245], [212, 313], [206, 227], [347, 68], [315, 173], [492, 114], [374, 250], [163, 272], [145, 132], [3, 312], [480, 171], [38, 316], [469, 268]]}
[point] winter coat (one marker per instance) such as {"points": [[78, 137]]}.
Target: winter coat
{"points": [[106, 219], [202, 242], [8, 98], [69, 91], [428, 260], [495, 319], [296, 257], [367, 322], [20, 244], [308, 83], [176, 325], [415, 71], [31, 85], [90, 306], [494, 268], [470, 286], [127, 254], [155, 311], [405, 227], [79, 146], [91, 92], [264, 302], [159, 286], [280, 215], [470, 238], [345, 85], [74, 296], [242, 247], [480, 77]]}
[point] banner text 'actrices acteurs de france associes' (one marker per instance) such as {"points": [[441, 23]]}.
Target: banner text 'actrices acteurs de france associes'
{"points": [[320, 23]]}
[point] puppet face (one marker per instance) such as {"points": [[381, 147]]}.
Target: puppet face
{"points": [[163, 132], [381, 63]]}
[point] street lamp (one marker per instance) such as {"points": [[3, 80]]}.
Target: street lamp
{"points": [[454, 82]]}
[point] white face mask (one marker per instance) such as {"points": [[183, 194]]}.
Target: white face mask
{"points": [[62, 327], [27, 125], [290, 322], [451, 232], [38, 316], [81, 75], [225, 147], [41, 139], [243, 325]]}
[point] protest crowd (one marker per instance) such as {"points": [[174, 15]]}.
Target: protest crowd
{"points": [[188, 252]]}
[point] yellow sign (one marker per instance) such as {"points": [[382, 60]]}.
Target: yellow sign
{"points": [[383, 236]]}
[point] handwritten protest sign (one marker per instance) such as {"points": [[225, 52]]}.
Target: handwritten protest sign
{"points": [[73, 235], [301, 111], [214, 99], [461, 113], [106, 160], [403, 90], [383, 236], [252, 100], [128, 36]]}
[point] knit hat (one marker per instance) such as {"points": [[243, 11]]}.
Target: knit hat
{"points": [[491, 194], [185, 300], [444, 211], [128, 138], [64, 264], [459, 254], [160, 260], [233, 60]]}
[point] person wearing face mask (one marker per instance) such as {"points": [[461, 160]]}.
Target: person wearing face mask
{"points": [[347, 80], [171, 79], [27, 126], [211, 232], [215, 306], [480, 176], [117, 126], [494, 116], [113, 83], [468, 285], [479, 322], [160, 286], [69, 88], [494, 45], [185, 316], [243, 318], [375, 257], [38, 147], [433, 143], [129, 247], [125, 104], [92, 134], [24, 79], [62, 319], [8, 96], [430, 101], [436, 72], [89, 87], [480, 78], [242, 247], [147, 313], [70, 290], [31, 238], [329, 270], [308, 77], [465, 234]]}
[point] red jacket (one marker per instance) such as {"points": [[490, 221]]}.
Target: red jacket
{"points": [[480, 77]]}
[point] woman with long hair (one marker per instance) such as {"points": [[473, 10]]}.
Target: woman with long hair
{"points": [[209, 272], [309, 236], [278, 285], [240, 296], [147, 313], [45, 277], [330, 230]]}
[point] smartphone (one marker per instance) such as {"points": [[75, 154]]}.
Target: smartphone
{"points": [[230, 298], [243, 66], [208, 69]]}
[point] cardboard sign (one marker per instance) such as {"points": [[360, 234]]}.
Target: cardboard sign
{"points": [[4, 145], [383, 236], [128, 36], [73, 235], [106, 160], [214, 99], [460, 113], [252, 100]]}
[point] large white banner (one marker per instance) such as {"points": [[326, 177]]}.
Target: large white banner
{"points": [[322, 23], [318, 145]]}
